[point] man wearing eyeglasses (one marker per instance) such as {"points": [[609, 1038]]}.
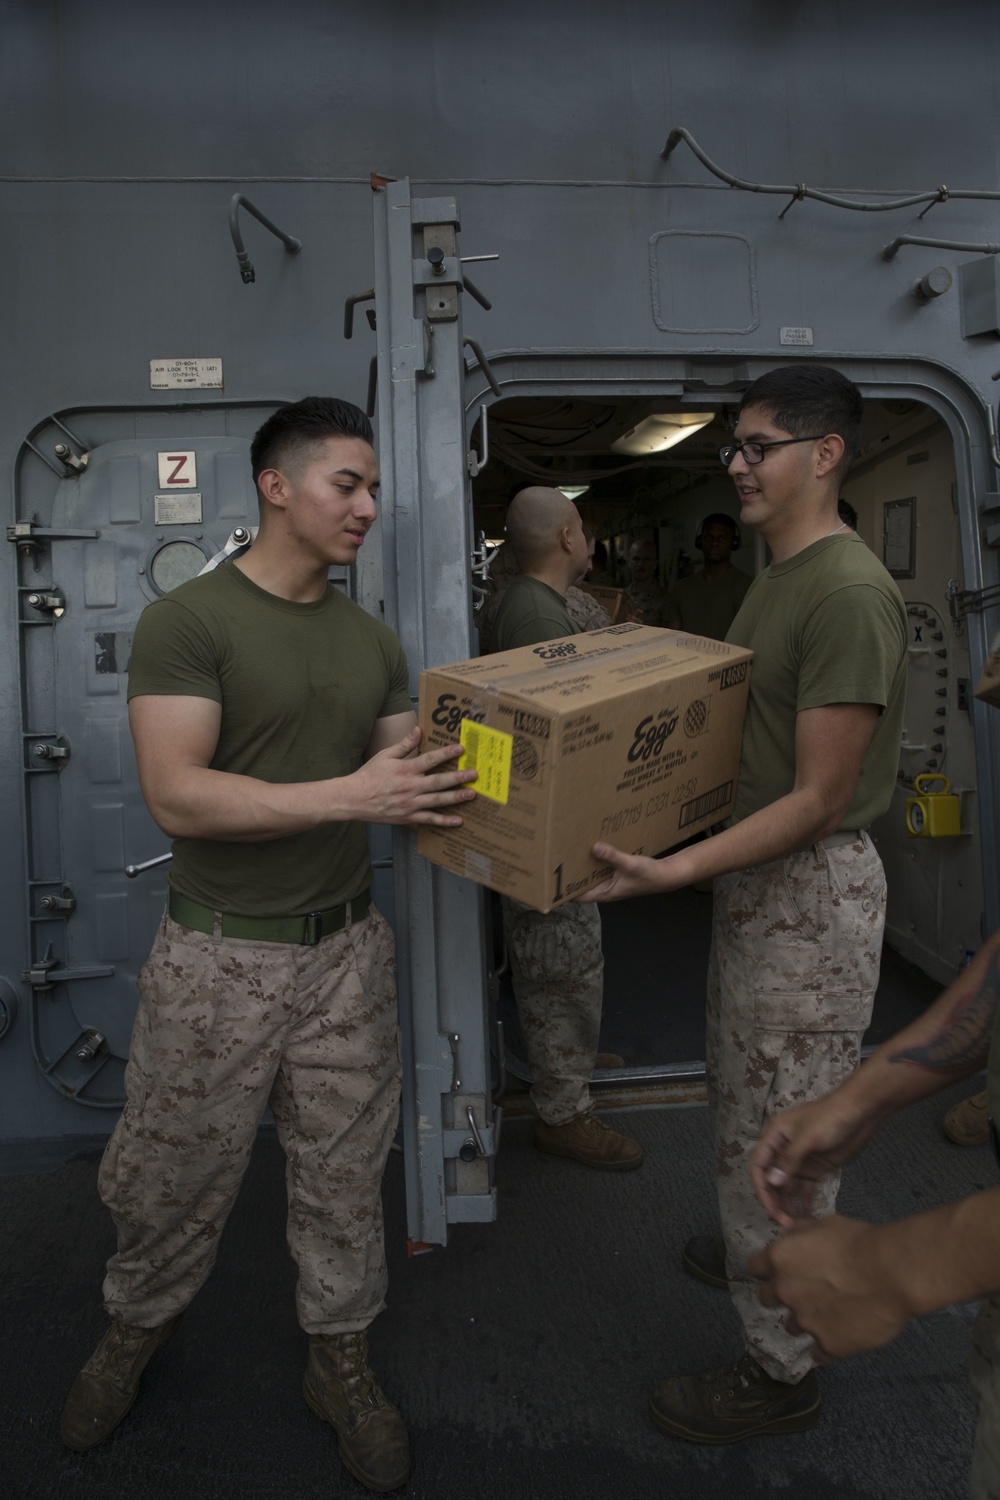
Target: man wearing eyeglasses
{"points": [[799, 888]]}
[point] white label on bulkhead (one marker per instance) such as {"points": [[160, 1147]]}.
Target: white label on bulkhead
{"points": [[176, 374]]}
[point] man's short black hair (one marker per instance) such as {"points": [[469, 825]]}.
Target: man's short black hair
{"points": [[289, 434], [719, 518], [806, 399]]}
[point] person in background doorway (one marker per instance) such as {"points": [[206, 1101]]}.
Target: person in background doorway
{"points": [[556, 961], [852, 1286], [847, 513], [647, 602], [708, 602], [272, 720], [601, 571], [799, 893]]}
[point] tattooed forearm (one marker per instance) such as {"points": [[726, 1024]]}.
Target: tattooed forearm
{"points": [[963, 1041]]}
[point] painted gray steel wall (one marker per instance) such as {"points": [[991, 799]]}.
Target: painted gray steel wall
{"points": [[125, 129]]}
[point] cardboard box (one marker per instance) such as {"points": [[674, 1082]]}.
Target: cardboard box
{"points": [[988, 686], [629, 734], [613, 600]]}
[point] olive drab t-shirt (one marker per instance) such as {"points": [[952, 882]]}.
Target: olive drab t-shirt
{"points": [[708, 606], [530, 612], [301, 686], [826, 626]]}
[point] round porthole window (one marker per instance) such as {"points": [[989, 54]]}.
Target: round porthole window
{"points": [[174, 563]]}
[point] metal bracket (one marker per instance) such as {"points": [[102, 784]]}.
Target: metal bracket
{"points": [[58, 752], [64, 904], [238, 200], [470, 1116], [467, 1139], [964, 602], [65, 455], [477, 462], [52, 603], [482, 556], [239, 539], [485, 366], [456, 1082], [91, 1043], [350, 304], [991, 422], [132, 871], [39, 976], [27, 536]]}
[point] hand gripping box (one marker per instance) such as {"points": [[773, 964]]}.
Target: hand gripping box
{"points": [[630, 735]]}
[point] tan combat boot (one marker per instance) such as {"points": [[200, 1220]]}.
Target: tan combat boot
{"points": [[588, 1140], [106, 1388], [340, 1386], [967, 1123]]}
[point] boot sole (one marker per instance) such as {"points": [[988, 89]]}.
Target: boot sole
{"points": [[380, 1487], [798, 1421], [599, 1166], [97, 1441]]}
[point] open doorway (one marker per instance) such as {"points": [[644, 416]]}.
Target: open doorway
{"points": [[901, 490]]}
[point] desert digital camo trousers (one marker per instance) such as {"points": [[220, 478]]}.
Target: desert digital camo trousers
{"points": [[986, 1388], [557, 968], [225, 1027], [792, 974]]}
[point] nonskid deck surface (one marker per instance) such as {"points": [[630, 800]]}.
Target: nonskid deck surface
{"points": [[521, 1355]]}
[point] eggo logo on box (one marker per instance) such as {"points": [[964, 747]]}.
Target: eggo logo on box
{"points": [[553, 653], [650, 737], [449, 713]]}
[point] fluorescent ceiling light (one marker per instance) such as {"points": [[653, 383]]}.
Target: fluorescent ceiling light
{"points": [[572, 491], [661, 430]]}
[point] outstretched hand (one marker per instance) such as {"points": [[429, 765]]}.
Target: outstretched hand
{"points": [[399, 786], [834, 1280], [634, 875], [798, 1148]]}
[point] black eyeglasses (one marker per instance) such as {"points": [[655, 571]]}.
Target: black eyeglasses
{"points": [[755, 453]]}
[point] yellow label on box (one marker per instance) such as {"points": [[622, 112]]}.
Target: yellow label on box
{"points": [[488, 751]]}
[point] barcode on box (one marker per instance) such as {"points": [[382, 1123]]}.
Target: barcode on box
{"points": [[706, 804]]}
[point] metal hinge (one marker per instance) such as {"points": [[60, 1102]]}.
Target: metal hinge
{"points": [[964, 602], [45, 972], [28, 537]]}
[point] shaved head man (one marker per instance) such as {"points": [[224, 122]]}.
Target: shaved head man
{"points": [[546, 534]]}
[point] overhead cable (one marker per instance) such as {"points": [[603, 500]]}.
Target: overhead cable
{"points": [[796, 192]]}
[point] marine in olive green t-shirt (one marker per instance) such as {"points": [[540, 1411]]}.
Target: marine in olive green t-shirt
{"points": [[301, 687], [529, 612], [827, 625]]}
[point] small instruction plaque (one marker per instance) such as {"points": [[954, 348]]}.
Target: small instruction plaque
{"points": [[176, 374], [488, 751], [797, 336], [177, 510]]}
